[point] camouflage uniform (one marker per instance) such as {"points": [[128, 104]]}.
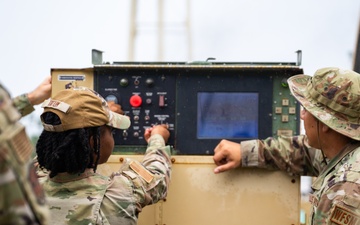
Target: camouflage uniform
{"points": [[23, 105], [336, 190], [21, 197], [337, 184], [91, 198]]}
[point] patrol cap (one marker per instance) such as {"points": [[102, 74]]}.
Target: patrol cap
{"points": [[81, 107], [332, 95]]}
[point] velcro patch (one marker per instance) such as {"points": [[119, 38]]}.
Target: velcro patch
{"points": [[55, 104], [343, 216], [141, 171], [22, 146]]}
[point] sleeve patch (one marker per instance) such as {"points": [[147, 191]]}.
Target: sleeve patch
{"points": [[22, 146], [343, 216], [141, 171]]}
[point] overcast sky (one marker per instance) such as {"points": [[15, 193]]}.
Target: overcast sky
{"points": [[39, 35]]}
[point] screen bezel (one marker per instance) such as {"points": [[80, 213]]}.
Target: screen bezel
{"points": [[187, 87]]}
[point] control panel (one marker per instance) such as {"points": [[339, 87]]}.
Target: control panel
{"points": [[201, 104], [147, 98]]}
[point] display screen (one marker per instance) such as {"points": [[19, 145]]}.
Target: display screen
{"points": [[229, 115]]}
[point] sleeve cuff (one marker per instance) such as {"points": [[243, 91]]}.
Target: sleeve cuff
{"points": [[156, 140], [250, 153], [157, 143], [22, 104]]}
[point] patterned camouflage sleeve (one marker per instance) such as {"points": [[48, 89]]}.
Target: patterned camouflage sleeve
{"points": [[157, 160], [291, 154], [22, 198], [23, 105]]}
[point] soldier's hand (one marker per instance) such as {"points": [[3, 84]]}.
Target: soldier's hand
{"points": [[41, 93], [227, 155], [158, 129], [115, 107]]}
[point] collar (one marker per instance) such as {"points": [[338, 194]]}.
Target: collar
{"points": [[68, 177], [333, 162]]}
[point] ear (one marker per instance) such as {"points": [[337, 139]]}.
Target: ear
{"points": [[325, 128]]}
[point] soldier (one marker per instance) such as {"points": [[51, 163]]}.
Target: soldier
{"points": [[24, 103], [77, 136], [22, 199], [331, 112]]}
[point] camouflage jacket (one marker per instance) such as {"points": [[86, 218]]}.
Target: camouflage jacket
{"points": [[23, 105], [22, 200], [335, 198], [91, 198]]}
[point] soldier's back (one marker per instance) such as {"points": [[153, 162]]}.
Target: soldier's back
{"points": [[22, 199]]}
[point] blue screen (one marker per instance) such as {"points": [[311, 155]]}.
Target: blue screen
{"points": [[228, 115]]}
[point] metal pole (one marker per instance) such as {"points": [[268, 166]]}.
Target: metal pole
{"points": [[161, 31], [188, 29], [357, 52], [133, 31]]}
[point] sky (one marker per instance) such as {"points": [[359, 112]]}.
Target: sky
{"points": [[39, 35]]}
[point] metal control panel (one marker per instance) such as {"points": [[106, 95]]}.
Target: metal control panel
{"points": [[201, 104], [148, 98]]}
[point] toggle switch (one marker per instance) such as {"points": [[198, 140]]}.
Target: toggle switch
{"points": [[161, 100]]}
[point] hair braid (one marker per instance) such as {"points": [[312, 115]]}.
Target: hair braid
{"points": [[95, 133], [67, 151]]}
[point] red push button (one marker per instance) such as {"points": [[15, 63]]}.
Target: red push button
{"points": [[135, 101]]}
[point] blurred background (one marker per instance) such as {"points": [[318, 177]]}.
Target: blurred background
{"points": [[39, 35]]}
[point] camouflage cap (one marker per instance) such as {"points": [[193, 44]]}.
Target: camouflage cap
{"points": [[81, 107], [332, 95]]}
